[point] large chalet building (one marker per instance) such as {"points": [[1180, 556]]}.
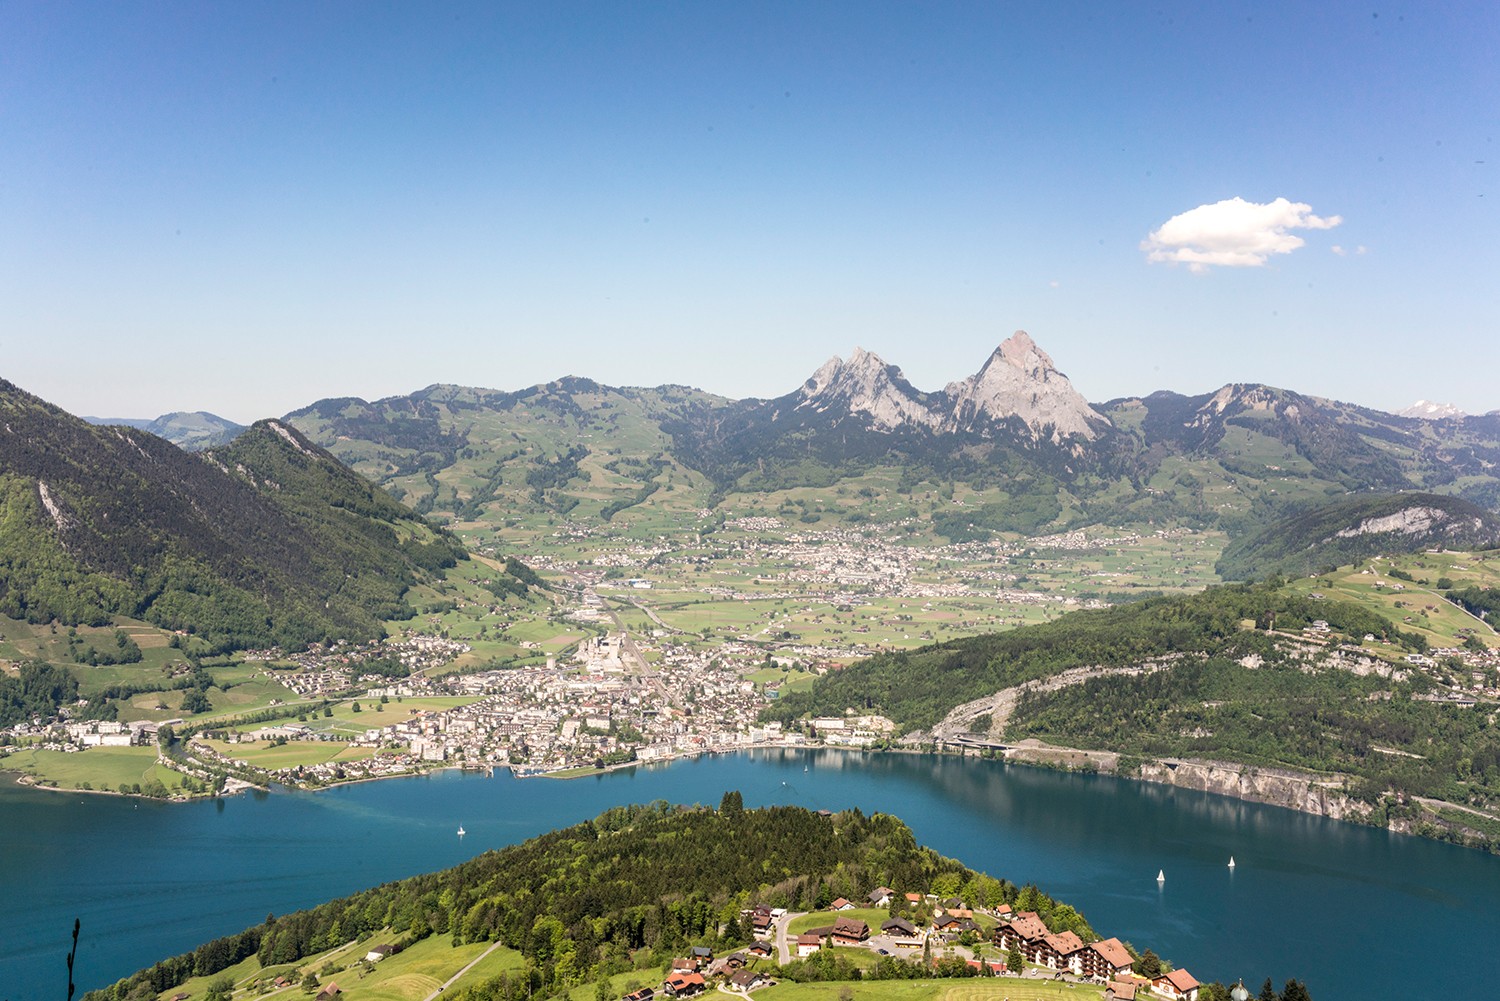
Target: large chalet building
{"points": [[1104, 960]]}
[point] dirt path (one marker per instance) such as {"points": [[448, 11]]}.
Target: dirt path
{"points": [[1002, 705], [454, 979]]}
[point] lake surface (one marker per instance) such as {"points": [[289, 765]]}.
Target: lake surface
{"points": [[1351, 911]]}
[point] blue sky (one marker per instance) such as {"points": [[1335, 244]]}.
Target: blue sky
{"points": [[246, 207]]}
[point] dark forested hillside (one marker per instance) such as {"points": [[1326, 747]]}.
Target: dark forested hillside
{"points": [[580, 901], [1350, 529], [266, 540]]}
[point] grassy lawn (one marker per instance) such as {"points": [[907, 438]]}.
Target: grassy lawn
{"points": [[872, 916], [422, 969], [270, 756], [406, 976], [101, 767], [975, 989]]}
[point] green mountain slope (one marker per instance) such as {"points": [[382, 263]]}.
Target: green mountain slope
{"points": [[1235, 459], [266, 540], [1350, 529]]}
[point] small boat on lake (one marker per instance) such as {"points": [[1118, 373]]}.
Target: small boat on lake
{"points": [[1231, 861], [461, 830], [1161, 875]]}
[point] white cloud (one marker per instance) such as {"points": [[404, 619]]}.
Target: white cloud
{"points": [[1233, 233]]}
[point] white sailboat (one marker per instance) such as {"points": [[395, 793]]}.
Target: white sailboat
{"points": [[1231, 861], [461, 830], [1161, 875]]}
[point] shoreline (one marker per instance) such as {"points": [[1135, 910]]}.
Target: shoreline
{"points": [[1332, 803]]}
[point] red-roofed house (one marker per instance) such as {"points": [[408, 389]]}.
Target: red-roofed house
{"points": [[1027, 933], [684, 985], [808, 944], [1178, 984], [841, 904], [1065, 952], [1107, 959]]}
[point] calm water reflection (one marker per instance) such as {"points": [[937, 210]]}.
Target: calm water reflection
{"points": [[1310, 898]]}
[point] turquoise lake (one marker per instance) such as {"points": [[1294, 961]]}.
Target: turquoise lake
{"points": [[1352, 911]]}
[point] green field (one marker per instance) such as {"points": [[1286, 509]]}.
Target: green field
{"points": [[407, 976], [271, 756], [975, 989], [872, 916], [1414, 604], [100, 767]]}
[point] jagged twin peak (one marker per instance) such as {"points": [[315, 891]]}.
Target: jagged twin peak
{"points": [[1019, 380], [867, 385]]}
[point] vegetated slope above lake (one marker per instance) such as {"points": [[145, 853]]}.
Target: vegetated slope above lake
{"points": [[579, 902], [1350, 529], [1241, 674], [266, 540]]}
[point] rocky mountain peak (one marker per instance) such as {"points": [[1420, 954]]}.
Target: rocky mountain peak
{"points": [[1019, 380], [1427, 410], [867, 385]]}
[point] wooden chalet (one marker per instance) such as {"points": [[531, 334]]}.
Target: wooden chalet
{"points": [[1177, 984], [850, 931], [747, 980], [1065, 951], [1107, 960], [1026, 932]]}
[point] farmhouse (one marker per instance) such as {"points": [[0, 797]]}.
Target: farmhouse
{"points": [[1178, 985], [850, 931]]}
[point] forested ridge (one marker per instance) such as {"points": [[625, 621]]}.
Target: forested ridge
{"points": [[1217, 689], [634, 886], [266, 540], [917, 688]]}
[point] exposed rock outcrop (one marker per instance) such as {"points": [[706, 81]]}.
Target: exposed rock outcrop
{"points": [[1019, 380], [1429, 411], [865, 384], [1294, 790], [1408, 521]]}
